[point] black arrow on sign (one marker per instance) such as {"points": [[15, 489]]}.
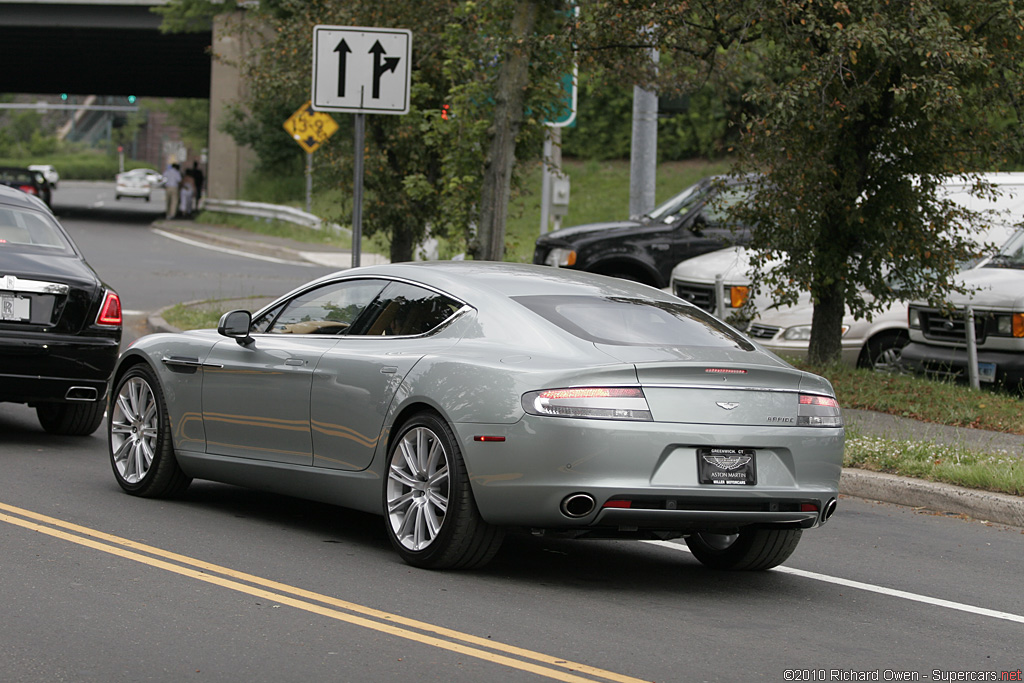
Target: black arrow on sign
{"points": [[343, 49], [379, 69]]}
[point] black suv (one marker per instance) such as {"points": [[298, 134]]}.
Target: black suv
{"points": [[647, 248]]}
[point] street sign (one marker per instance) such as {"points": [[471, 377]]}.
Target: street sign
{"points": [[361, 70], [310, 128]]}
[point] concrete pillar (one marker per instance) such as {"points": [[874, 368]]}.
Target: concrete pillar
{"points": [[228, 163]]}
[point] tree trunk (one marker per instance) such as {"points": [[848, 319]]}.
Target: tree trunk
{"points": [[827, 324], [513, 79]]}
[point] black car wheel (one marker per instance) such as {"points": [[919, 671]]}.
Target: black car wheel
{"points": [[70, 419], [748, 550], [141, 451], [883, 351], [431, 517]]}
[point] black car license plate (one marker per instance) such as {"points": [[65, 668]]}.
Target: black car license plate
{"points": [[15, 308], [727, 466]]}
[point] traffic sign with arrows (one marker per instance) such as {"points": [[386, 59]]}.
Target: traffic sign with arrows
{"points": [[361, 70]]}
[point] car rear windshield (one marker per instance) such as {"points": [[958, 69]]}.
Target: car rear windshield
{"points": [[31, 231], [622, 321]]}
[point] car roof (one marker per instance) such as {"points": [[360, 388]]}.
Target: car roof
{"points": [[471, 280]]}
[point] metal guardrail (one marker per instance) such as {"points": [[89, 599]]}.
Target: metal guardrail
{"points": [[288, 214]]}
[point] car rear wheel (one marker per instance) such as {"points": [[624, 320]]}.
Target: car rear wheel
{"points": [[70, 419], [139, 437], [431, 516], [748, 550]]}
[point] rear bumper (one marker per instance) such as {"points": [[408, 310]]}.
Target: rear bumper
{"points": [[951, 362], [640, 478], [36, 369]]}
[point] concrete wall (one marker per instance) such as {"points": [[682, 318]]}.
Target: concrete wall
{"points": [[229, 163]]}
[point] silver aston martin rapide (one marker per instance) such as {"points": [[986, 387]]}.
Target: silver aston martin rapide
{"points": [[461, 399]]}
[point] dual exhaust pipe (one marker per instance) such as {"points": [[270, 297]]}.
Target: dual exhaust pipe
{"points": [[577, 505]]}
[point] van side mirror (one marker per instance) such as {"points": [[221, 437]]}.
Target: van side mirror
{"points": [[236, 324]]}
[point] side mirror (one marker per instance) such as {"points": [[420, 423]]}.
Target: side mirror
{"points": [[698, 224], [236, 324]]}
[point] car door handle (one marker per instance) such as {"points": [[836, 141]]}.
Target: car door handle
{"points": [[299, 362], [388, 370]]}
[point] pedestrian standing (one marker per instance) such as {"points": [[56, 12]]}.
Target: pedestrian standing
{"points": [[199, 177], [172, 181], [187, 191]]}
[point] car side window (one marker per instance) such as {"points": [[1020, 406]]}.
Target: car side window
{"points": [[716, 210], [329, 309], [407, 310]]}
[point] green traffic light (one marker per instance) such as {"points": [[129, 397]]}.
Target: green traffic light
{"points": [[64, 97], [131, 99]]}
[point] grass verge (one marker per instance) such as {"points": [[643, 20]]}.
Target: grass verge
{"points": [[998, 471]]}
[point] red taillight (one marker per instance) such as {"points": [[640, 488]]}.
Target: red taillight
{"points": [[726, 371], [110, 311], [809, 400], [618, 504], [592, 392], [482, 437], [808, 507], [29, 189]]}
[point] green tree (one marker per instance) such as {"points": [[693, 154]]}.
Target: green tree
{"points": [[451, 173], [859, 110]]}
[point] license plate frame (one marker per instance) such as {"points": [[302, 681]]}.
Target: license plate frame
{"points": [[725, 466], [986, 372], [14, 308]]}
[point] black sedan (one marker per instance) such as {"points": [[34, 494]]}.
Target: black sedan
{"points": [[60, 326], [27, 180]]}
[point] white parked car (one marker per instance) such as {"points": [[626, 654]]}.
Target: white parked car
{"points": [[138, 182], [48, 171]]}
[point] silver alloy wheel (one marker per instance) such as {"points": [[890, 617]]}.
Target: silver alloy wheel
{"points": [[417, 492], [134, 427], [888, 360]]}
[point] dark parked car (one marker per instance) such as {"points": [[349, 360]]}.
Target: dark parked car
{"points": [[647, 248], [27, 180], [60, 326]]}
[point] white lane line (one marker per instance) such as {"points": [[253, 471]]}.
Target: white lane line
{"points": [[882, 590], [226, 250]]}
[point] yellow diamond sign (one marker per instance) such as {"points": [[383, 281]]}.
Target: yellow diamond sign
{"points": [[310, 128]]}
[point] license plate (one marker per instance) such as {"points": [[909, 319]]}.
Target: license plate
{"points": [[15, 308], [986, 372], [727, 466]]}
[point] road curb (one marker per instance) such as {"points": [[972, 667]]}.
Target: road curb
{"points": [[983, 505]]}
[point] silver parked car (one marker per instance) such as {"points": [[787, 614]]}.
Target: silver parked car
{"points": [[460, 399]]}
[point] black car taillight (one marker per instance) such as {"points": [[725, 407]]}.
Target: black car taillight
{"points": [[110, 311], [29, 189]]}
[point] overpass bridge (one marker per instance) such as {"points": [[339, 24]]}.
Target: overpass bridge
{"points": [[114, 48]]}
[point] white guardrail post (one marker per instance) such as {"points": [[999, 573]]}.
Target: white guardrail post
{"points": [[972, 349], [272, 212], [720, 297]]}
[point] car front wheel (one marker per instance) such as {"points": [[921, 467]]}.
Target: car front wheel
{"points": [[139, 437], [431, 516], [748, 550]]}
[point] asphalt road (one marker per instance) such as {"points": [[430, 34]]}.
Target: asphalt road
{"points": [[228, 584]]}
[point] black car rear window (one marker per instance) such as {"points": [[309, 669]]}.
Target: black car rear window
{"points": [[622, 321], [31, 231]]}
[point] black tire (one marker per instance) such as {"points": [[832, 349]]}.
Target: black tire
{"points": [[139, 438], [430, 515], [71, 419], [883, 351], [749, 550]]}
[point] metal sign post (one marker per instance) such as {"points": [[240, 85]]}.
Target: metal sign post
{"points": [[310, 129], [361, 70]]}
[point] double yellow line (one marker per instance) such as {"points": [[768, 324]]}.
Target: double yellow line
{"points": [[465, 644]]}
